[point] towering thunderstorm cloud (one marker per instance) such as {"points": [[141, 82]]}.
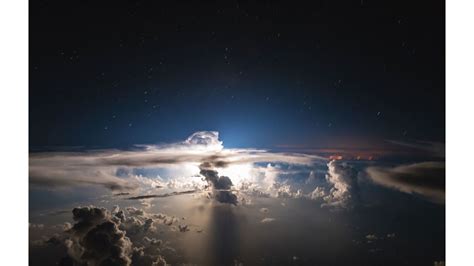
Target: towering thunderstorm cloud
{"points": [[221, 185]]}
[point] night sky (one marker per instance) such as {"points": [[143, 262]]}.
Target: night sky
{"points": [[263, 75], [237, 133]]}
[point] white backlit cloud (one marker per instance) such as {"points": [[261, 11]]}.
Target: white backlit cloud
{"points": [[181, 161]]}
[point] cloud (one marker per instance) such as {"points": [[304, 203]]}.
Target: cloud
{"points": [[343, 179], [206, 139], [162, 195], [102, 237], [371, 237], [96, 238], [318, 193], [105, 244], [64, 176], [339, 191], [183, 227], [221, 185], [267, 220], [103, 167], [426, 179], [153, 241], [141, 257], [135, 211]]}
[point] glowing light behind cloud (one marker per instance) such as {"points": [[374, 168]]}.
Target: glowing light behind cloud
{"points": [[179, 161]]}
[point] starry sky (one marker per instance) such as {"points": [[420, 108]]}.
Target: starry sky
{"points": [[269, 74], [227, 132]]}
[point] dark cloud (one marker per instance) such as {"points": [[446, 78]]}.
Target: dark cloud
{"points": [[122, 194], [148, 224], [221, 185], [120, 215], [105, 244], [163, 195], [100, 237], [183, 227], [96, 238], [426, 179]]}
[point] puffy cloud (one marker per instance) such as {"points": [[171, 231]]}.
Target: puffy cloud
{"points": [[183, 228], [283, 190], [153, 241], [426, 179], [117, 233], [206, 139], [67, 226], [120, 215], [317, 193], [96, 238], [148, 224], [100, 237], [141, 257], [105, 244], [339, 192], [343, 179], [135, 211], [115, 209]]}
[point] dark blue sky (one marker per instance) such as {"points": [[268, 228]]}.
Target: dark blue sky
{"points": [[263, 75]]}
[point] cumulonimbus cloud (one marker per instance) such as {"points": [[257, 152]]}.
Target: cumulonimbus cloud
{"points": [[99, 167], [426, 179], [221, 185], [343, 183]]}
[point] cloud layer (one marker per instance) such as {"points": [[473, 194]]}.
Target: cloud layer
{"points": [[426, 179], [102, 167]]}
